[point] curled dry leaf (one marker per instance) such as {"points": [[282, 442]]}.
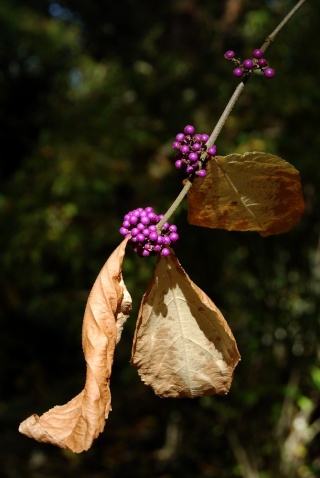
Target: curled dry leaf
{"points": [[250, 192], [183, 347], [75, 425]]}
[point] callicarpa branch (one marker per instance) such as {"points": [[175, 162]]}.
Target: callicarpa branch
{"points": [[183, 346]]}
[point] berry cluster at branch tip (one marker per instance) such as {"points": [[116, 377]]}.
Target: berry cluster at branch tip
{"points": [[140, 227], [192, 152], [250, 64]]}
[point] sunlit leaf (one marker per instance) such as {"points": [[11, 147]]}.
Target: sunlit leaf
{"points": [[75, 425], [250, 192], [183, 347]]}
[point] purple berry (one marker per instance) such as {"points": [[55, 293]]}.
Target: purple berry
{"points": [[269, 72], [184, 149], [149, 209], [153, 236], [238, 72], [189, 170], [141, 237], [212, 151], [152, 216], [257, 53], [145, 220], [145, 253], [140, 226], [152, 228], [180, 137], [196, 146], [135, 231], [123, 231], [248, 64], [262, 62], [229, 54], [204, 137], [193, 157], [146, 232], [133, 219], [189, 129], [176, 145], [202, 173], [166, 240], [197, 137], [165, 252], [157, 248], [173, 228], [178, 164], [174, 236], [160, 240]]}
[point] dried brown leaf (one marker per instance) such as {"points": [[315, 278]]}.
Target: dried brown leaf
{"points": [[250, 192], [183, 347], [75, 425]]}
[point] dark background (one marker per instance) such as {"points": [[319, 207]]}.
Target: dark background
{"points": [[92, 94]]}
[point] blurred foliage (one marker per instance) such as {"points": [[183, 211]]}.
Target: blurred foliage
{"points": [[91, 97]]}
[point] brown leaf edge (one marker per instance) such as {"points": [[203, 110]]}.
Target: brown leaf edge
{"points": [[75, 425]]}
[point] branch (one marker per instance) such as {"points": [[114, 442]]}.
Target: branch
{"points": [[271, 37], [223, 118]]}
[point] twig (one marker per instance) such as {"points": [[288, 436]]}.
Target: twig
{"points": [[174, 205], [223, 118], [234, 98], [275, 32]]}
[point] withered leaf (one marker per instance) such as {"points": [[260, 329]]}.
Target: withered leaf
{"points": [[183, 347], [251, 192], [75, 425]]}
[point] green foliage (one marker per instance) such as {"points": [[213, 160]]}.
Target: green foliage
{"points": [[90, 101]]}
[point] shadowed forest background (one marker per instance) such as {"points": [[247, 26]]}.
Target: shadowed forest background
{"points": [[92, 94]]}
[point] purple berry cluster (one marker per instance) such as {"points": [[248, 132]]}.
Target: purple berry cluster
{"points": [[140, 226], [192, 151], [250, 64]]}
